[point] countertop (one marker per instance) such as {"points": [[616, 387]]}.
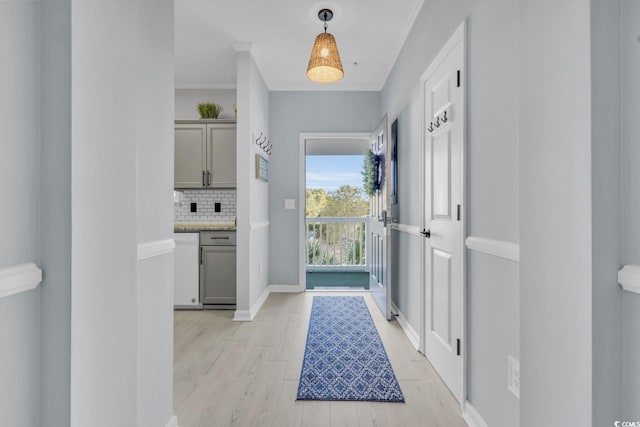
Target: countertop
{"points": [[203, 226]]}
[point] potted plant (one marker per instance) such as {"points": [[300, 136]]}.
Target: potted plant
{"points": [[209, 110]]}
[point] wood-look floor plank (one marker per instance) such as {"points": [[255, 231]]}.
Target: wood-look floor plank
{"points": [[246, 373], [288, 411]]}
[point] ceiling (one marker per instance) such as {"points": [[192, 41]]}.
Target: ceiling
{"points": [[369, 34]]}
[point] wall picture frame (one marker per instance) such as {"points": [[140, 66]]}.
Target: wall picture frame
{"points": [[262, 168]]}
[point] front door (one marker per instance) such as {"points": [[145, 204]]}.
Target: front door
{"points": [[379, 229], [442, 210]]}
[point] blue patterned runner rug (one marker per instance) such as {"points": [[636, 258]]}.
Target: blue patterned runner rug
{"points": [[344, 358]]}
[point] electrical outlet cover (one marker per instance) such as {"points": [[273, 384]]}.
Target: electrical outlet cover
{"points": [[290, 204]]}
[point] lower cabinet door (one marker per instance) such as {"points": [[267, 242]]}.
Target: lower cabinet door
{"points": [[218, 274]]}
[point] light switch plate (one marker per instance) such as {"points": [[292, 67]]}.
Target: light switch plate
{"points": [[513, 376], [290, 204]]}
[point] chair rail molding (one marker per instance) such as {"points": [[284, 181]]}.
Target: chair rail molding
{"points": [[407, 229], [152, 249], [259, 225], [629, 278], [19, 278], [507, 250]]}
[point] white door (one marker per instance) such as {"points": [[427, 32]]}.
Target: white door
{"points": [[379, 227], [443, 232]]}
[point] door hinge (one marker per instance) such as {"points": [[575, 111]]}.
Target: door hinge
{"points": [[458, 84], [458, 212], [458, 346]]}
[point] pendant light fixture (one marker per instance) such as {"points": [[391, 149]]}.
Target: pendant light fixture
{"points": [[324, 64]]}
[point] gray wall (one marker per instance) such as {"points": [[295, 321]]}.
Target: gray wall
{"points": [[252, 194], [155, 150], [406, 281], [631, 201], [19, 165], [121, 169], [55, 212], [606, 211], [555, 213], [104, 258], [492, 185], [290, 114]]}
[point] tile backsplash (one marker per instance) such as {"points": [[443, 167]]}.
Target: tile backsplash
{"points": [[206, 200]]}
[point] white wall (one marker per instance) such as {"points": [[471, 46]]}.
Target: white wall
{"points": [[292, 113], [492, 205], [555, 213], [631, 202], [252, 194], [187, 101], [120, 348], [19, 165]]}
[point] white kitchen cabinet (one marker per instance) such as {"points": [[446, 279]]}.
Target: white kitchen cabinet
{"points": [[205, 154]]}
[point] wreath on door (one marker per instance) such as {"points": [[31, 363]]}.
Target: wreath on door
{"points": [[371, 173]]}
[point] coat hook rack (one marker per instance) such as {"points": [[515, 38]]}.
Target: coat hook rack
{"points": [[264, 143]]}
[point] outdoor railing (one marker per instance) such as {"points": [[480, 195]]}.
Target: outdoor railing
{"points": [[337, 243]]}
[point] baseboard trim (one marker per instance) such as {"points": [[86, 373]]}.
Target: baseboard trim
{"points": [[242, 316], [472, 417], [407, 229], [249, 315], [19, 278], [507, 250], [629, 278], [173, 422], [156, 248], [255, 308], [285, 289], [413, 336]]}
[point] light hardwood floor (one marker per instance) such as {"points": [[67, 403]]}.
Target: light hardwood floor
{"points": [[246, 373]]}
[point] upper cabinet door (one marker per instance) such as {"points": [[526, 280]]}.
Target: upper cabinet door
{"points": [[221, 155], [190, 156]]}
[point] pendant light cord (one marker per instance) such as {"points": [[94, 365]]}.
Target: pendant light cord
{"points": [[325, 22]]}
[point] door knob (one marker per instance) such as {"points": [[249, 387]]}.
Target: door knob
{"points": [[426, 233]]}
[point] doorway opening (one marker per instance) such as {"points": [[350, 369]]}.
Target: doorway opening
{"points": [[335, 214]]}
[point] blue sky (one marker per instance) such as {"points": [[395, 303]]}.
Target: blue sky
{"points": [[330, 172]]}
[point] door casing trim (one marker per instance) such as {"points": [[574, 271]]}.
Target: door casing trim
{"points": [[302, 193]]}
